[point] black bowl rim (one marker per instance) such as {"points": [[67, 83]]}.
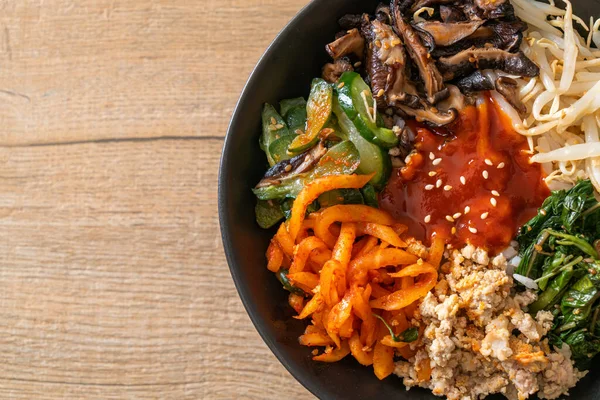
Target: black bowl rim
{"points": [[243, 292]]}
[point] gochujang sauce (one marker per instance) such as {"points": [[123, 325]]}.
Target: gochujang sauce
{"points": [[472, 182]]}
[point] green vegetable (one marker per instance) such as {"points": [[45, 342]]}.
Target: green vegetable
{"points": [[356, 100], [407, 336], [273, 128], [286, 207], [372, 158], [370, 195], [282, 276], [558, 252], [318, 112], [343, 158], [341, 196], [294, 113], [268, 213], [278, 150]]}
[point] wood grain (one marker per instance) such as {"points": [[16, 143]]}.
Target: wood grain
{"points": [[112, 275]]}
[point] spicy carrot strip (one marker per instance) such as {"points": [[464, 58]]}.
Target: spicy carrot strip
{"points": [[312, 306], [317, 187], [336, 354], [369, 245], [357, 271], [274, 257], [436, 251], [338, 315], [402, 298], [296, 302], [383, 232], [388, 341], [361, 308], [378, 291], [342, 251], [306, 281], [383, 358], [358, 351], [348, 213], [284, 240], [303, 251], [315, 339]]}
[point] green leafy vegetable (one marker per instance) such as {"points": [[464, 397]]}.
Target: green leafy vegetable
{"points": [[341, 196], [558, 251], [268, 213], [282, 276]]}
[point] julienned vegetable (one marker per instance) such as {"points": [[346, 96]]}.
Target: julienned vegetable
{"points": [[559, 250], [356, 99]]}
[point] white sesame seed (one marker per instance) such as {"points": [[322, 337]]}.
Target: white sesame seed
{"points": [[453, 230], [428, 187], [463, 180], [431, 156], [457, 215], [500, 166], [485, 174], [488, 161], [447, 188], [467, 209], [438, 183], [432, 173], [427, 219], [495, 193], [484, 215], [449, 218], [493, 201], [436, 161], [473, 230]]}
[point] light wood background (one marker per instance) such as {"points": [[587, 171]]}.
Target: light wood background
{"points": [[113, 282]]}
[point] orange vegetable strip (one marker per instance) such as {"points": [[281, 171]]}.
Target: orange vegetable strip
{"points": [[342, 251], [274, 257], [313, 329], [284, 240], [423, 369], [303, 251], [378, 291], [406, 283], [436, 251], [363, 311], [320, 256], [399, 228], [328, 284], [388, 341], [347, 328], [296, 302], [338, 316], [357, 350], [407, 352], [317, 187], [313, 305], [383, 232], [404, 297], [383, 358], [335, 355], [370, 244], [348, 213], [315, 339], [358, 268], [306, 281]]}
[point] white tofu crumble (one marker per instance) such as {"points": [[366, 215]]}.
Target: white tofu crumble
{"points": [[479, 340]]}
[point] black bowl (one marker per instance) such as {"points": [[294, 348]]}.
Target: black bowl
{"points": [[285, 70]]}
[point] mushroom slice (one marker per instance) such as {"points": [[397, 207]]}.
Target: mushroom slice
{"points": [[428, 3], [445, 34], [476, 82], [291, 168], [434, 83], [351, 21], [467, 61], [451, 13], [332, 71], [507, 87], [350, 43], [430, 114]]}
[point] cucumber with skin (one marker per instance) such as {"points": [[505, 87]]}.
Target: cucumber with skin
{"points": [[294, 113], [318, 112], [273, 128], [354, 97], [372, 157]]}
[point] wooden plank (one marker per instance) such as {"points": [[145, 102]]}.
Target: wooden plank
{"points": [[99, 69], [111, 258]]}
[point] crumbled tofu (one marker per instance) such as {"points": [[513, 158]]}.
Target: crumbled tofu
{"points": [[480, 340]]}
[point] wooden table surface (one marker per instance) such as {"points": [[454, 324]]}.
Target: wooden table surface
{"points": [[113, 282]]}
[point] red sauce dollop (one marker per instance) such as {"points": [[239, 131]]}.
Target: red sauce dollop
{"points": [[482, 135]]}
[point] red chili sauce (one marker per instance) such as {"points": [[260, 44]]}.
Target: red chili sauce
{"points": [[498, 198]]}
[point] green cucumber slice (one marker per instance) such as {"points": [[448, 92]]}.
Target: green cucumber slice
{"points": [[356, 100], [372, 157], [273, 128], [278, 150]]}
